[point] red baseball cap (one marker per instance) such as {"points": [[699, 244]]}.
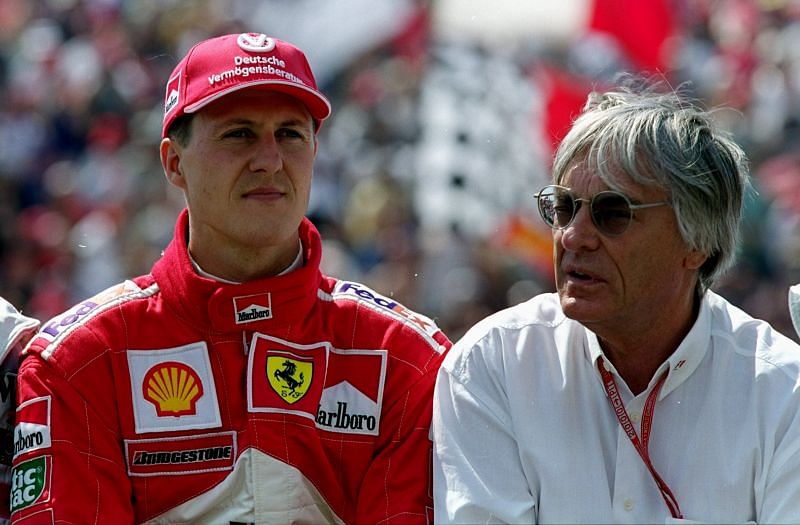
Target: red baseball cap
{"points": [[216, 67]]}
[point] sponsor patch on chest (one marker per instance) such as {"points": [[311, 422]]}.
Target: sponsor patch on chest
{"points": [[252, 308], [353, 395], [284, 377], [340, 390], [173, 389], [182, 455]]}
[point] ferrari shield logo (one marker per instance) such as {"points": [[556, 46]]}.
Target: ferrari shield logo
{"points": [[288, 377]]}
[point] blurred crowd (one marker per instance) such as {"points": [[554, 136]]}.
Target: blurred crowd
{"points": [[425, 170]]}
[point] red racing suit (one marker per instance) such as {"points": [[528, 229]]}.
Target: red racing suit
{"points": [[174, 398], [15, 331]]}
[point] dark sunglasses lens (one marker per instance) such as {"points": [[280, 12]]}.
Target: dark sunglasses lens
{"points": [[556, 207], [611, 213], [563, 208]]}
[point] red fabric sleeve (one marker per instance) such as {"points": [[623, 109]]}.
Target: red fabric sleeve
{"points": [[67, 459], [397, 488]]}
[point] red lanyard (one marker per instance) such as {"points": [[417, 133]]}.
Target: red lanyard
{"points": [[647, 422]]}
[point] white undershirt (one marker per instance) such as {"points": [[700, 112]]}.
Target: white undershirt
{"points": [[297, 263]]}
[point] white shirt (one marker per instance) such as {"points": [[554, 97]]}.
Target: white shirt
{"points": [[524, 431]]}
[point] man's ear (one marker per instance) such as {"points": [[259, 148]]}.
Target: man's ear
{"points": [[694, 260], [171, 162]]}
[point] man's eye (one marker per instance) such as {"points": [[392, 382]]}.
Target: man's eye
{"points": [[238, 133], [289, 133]]}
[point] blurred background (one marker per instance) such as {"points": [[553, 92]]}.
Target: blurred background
{"points": [[445, 117]]}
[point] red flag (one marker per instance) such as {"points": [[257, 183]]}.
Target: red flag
{"points": [[643, 29], [564, 96]]}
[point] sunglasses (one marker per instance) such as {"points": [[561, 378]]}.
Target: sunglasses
{"points": [[611, 211]]}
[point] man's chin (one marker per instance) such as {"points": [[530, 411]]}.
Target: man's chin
{"points": [[584, 311]]}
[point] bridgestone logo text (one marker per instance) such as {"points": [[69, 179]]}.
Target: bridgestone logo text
{"points": [[182, 457], [341, 419], [26, 441]]}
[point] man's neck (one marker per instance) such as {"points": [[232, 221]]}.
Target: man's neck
{"points": [[638, 354], [636, 368], [297, 263], [244, 266]]}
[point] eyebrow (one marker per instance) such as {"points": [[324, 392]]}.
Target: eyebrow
{"points": [[244, 121]]}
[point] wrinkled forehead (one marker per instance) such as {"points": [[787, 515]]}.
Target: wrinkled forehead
{"points": [[607, 168], [584, 175], [587, 177]]}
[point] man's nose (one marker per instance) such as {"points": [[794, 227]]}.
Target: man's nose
{"points": [[581, 233], [266, 156]]}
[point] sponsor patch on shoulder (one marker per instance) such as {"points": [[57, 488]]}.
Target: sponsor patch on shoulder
{"points": [[181, 455], [61, 325], [30, 482], [173, 389], [32, 429], [353, 396], [355, 291]]}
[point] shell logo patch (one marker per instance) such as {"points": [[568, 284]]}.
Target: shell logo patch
{"points": [[173, 388], [289, 378]]}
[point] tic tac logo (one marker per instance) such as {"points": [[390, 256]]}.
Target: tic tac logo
{"points": [[255, 42], [252, 308], [173, 388], [289, 378], [30, 482], [173, 93]]}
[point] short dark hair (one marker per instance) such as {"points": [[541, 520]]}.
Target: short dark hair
{"points": [[181, 129]]}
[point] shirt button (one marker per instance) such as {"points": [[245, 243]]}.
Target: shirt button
{"points": [[635, 417], [628, 505]]}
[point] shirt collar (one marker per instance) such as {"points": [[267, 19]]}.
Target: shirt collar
{"points": [[262, 305], [297, 263], [683, 361]]}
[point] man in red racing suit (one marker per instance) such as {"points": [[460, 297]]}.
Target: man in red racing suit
{"points": [[176, 398], [234, 383], [15, 331]]}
